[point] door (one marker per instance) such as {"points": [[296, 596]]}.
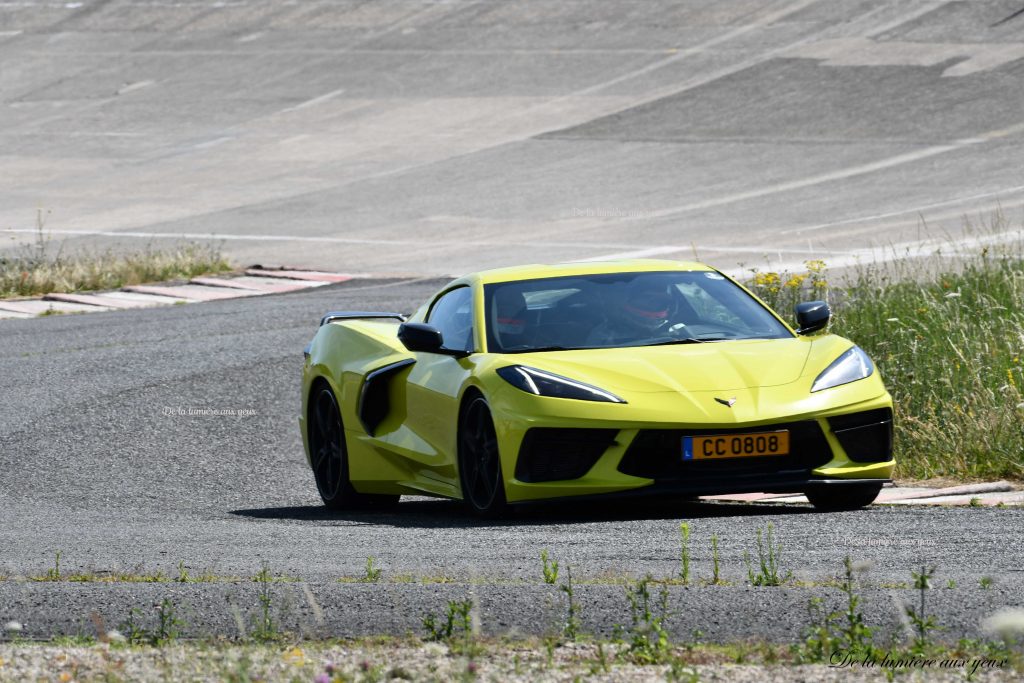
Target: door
{"points": [[432, 392]]}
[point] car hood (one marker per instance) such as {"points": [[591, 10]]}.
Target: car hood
{"points": [[712, 366]]}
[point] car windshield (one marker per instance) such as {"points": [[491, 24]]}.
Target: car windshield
{"points": [[622, 310]]}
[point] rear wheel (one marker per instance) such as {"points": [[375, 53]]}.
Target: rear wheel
{"points": [[483, 487], [329, 455], [840, 497]]}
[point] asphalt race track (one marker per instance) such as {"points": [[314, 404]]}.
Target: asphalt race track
{"points": [[439, 137], [99, 463]]}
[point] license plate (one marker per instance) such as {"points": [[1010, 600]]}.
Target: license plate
{"points": [[723, 446]]}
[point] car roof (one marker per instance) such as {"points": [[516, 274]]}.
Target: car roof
{"points": [[537, 271]]}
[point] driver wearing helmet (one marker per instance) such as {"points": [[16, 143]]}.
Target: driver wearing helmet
{"points": [[643, 315], [509, 317]]}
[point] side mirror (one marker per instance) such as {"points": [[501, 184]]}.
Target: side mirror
{"points": [[420, 337], [812, 316]]}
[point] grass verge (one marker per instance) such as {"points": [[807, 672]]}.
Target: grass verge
{"points": [[947, 336], [44, 268]]}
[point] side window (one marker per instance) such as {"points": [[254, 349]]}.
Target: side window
{"points": [[453, 315]]}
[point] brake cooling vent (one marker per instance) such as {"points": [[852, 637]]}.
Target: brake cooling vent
{"points": [[865, 436], [555, 454]]}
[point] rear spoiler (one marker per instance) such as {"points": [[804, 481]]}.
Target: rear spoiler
{"points": [[352, 315]]}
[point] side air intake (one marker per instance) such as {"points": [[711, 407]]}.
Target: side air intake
{"points": [[373, 396]]}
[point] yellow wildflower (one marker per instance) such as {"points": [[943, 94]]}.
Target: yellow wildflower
{"points": [[815, 266], [295, 656]]}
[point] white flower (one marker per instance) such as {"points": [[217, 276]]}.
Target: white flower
{"points": [[1005, 622], [435, 649], [13, 627], [863, 566]]}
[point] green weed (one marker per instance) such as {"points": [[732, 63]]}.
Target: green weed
{"points": [[184, 576], [923, 622], [829, 632], [572, 620], [647, 637], [168, 626], [438, 578], [715, 577], [601, 663], [684, 553], [372, 573], [855, 634], [549, 568], [769, 554], [265, 628], [54, 573], [455, 622]]}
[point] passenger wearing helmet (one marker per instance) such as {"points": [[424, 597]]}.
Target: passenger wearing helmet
{"points": [[642, 316]]}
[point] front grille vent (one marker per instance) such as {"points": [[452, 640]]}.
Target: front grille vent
{"points": [[555, 454], [865, 436]]}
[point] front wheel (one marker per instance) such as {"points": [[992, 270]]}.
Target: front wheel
{"points": [[329, 456], [483, 487], [836, 498]]}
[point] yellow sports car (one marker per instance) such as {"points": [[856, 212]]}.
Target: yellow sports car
{"points": [[583, 379]]}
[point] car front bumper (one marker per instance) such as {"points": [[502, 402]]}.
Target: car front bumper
{"points": [[624, 458]]}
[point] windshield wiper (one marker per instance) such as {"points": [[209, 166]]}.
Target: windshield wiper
{"points": [[540, 348], [689, 340]]}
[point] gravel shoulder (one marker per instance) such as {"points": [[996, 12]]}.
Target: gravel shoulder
{"points": [[395, 660]]}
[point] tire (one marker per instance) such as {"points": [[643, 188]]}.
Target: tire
{"points": [[837, 498], [483, 486], [329, 456]]}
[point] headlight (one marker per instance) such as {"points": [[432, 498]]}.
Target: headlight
{"points": [[849, 367], [541, 383]]}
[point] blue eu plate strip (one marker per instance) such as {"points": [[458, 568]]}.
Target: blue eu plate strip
{"points": [[687, 448]]}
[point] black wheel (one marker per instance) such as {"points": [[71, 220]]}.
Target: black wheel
{"points": [[483, 487], [329, 455], [840, 497]]}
